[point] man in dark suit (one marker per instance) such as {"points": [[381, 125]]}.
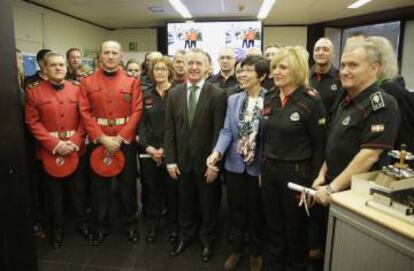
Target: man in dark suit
{"points": [[195, 115]]}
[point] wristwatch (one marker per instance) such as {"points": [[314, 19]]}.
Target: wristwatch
{"points": [[329, 189]]}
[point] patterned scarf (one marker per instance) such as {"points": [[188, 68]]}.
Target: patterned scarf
{"points": [[248, 128]]}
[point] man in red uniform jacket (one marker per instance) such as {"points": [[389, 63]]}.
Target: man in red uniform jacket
{"points": [[111, 108], [52, 115]]}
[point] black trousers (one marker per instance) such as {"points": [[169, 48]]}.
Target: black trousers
{"points": [[318, 225], [75, 186], [122, 188], [244, 196], [161, 190], [197, 202], [287, 242]]}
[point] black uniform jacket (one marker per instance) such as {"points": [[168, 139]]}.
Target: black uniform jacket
{"points": [[295, 132], [152, 126], [327, 84], [369, 120]]}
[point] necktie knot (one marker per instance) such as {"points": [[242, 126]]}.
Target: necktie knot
{"points": [[192, 88]]}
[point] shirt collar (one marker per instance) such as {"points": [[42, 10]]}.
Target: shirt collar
{"points": [[365, 93], [332, 72], [200, 84]]}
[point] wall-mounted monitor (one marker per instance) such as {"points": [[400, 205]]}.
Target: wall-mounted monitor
{"points": [[210, 36]]}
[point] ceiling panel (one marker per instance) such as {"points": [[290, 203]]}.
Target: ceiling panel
{"points": [[136, 13]]}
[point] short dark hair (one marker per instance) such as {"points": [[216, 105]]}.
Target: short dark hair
{"points": [[71, 50], [41, 54], [261, 65]]}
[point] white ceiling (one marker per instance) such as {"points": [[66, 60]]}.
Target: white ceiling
{"points": [[136, 13]]}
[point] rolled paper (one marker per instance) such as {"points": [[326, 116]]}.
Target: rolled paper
{"points": [[300, 188]]}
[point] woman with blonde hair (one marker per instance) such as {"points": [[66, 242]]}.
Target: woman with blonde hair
{"points": [[294, 137]]}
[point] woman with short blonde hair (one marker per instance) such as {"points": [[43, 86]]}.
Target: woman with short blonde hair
{"points": [[293, 147]]}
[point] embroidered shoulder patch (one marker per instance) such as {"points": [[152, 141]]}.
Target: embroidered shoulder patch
{"points": [[322, 121], [377, 101], [75, 82], [88, 73], [33, 84]]}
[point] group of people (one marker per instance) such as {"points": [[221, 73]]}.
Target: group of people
{"points": [[256, 125]]}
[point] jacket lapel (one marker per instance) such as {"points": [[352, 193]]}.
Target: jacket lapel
{"points": [[183, 103], [237, 107]]}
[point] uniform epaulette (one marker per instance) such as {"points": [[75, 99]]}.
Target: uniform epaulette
{"points": [[33, 84], [88, 73], [75, 82], [312, 93]]}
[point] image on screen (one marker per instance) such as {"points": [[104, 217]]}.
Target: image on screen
{"points": [[210, 36]]}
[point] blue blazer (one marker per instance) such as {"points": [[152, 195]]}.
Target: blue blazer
{"points": [[227, 142]]}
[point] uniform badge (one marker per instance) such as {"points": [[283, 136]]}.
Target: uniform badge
{"points": [[377, 128], [377, 101], [127, 97], [346, 121], [295, 116], [322, 121], [60, 161], [334, 87]]}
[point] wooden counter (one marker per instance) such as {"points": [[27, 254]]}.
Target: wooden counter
{"points": [[356, 203], [363, 238]]}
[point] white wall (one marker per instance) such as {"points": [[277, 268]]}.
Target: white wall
{"points": [[285, 35], [37, 28], [407, 62], [146, 39]]}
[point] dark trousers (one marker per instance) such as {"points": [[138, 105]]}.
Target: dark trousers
{"points": [[245, 202], [122, 188], [318, 224], [75, 186], [250, 44], [161, 190], [287, 242], [194, 192]]}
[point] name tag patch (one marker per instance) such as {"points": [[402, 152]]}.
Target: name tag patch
{"points": [[295, 116], [346, 121], [127, 97]]}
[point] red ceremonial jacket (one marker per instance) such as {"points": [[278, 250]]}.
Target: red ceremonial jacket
{"points": [[110, 97], [49, 110]]}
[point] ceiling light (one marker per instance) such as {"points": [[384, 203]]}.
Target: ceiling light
{"points": [[359, 3], [265, 8], [180, 8]]}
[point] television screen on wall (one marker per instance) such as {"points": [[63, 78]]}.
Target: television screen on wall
{"points": [[210, 36]]}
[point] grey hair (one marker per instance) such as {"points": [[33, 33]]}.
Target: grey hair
{"points": [[388, 60]]}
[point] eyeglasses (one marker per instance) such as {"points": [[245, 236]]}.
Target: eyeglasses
{"points": [[164, 69]]}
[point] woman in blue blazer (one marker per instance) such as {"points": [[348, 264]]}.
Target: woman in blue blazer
{"points": [[238, 142]]}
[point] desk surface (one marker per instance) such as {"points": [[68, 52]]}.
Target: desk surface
{"points": [[356, 203]]}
